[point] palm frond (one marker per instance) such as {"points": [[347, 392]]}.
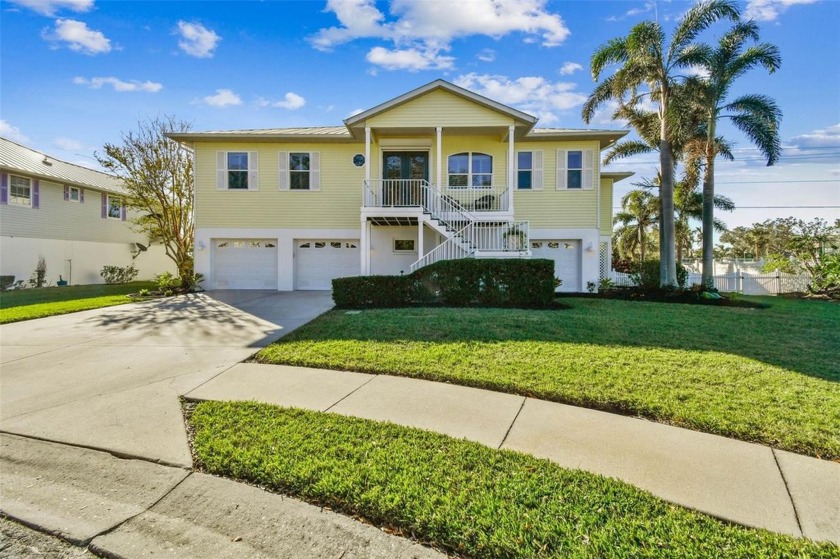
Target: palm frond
{"points": [[697, 20], [627, 148]]}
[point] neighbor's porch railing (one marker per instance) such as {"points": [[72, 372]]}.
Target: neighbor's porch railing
{"points": [[399, 193]]}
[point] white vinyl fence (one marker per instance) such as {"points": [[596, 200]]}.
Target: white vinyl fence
{"points": [[739, 282]]}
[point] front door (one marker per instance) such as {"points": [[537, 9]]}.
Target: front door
{"points": [[403, 173]]}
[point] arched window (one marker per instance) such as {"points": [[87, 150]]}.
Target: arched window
{"points": [[469, 169]]}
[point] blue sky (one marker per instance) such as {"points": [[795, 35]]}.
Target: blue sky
{"points": [[75, 73]]}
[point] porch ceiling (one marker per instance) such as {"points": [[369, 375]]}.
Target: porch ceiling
{"points": [[393, 221]]}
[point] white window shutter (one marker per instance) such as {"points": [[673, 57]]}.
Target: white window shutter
{"points": [[283, 168], [315, 170], [588, 169], [561, 169], [253, 170], [221, 170], [537, 174]]}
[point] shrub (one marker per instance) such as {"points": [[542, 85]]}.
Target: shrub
{"points": [[646, 274], [118, 274], [826, 278], [375, 291], [166, 281], [39, 276], [460, 283]]}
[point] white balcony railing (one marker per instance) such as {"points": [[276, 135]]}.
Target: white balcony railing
{"points": [[399, 193]]}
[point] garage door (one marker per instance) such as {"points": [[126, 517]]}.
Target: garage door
{"points": [[319, 261], [566, 255], [245, 263]]}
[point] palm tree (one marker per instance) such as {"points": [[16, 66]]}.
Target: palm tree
{"points": [[639, 213], [645, 60], [755, 115]]}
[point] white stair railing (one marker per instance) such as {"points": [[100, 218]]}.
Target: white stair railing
{"points": [[453, 248]]}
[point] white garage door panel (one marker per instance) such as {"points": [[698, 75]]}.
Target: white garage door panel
{"points": [[245, 263], [319, 261], [567, 260]]}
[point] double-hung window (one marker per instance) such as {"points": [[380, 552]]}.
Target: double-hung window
{"points": [[300, 170], [529, 170], [237, 170], [575, 169], [20, 191], [115, 207], [473, 170]]}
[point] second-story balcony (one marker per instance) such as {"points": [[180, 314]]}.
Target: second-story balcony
{"points": [[406, 193]]}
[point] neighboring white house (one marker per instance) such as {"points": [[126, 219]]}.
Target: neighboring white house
{"points": [[437, 173], [72, 216]]}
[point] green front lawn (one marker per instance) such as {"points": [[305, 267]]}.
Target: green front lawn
{"points": [[26, 304], [462, 496], [766, 375]]}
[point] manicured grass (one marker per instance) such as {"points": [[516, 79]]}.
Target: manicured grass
{"points": [[26, 304], [766, 375], [462, 496]]}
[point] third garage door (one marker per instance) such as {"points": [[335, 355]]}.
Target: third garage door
{"points": [[319, 261], [566, 255]]}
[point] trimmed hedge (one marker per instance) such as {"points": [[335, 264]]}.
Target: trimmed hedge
{"points": [[458, 283]]}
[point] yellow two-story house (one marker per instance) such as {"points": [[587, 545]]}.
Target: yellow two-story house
{"points": [[437, 173]]}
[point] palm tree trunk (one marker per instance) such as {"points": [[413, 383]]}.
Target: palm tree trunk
{"points": [[709, 208], [667, 250]]}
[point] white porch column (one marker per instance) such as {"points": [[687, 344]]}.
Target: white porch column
{"points": [[439, 157], [511, 161], [364, 247], [420, 252], [367, 154]]}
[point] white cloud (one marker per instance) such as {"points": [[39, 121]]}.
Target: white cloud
{"points": [[68, 144], [770, 10], [420, 30], [486, 55], [291, 101], [50, 7], [79, 37], [12, 133], [118, 84], [355, 112], [646, 7], [532, 94], [197, 40], [828, 137], [410, 59], [569, 68], [222, 98]]}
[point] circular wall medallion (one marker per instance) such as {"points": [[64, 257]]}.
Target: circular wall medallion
{"points": [[358, 160]]}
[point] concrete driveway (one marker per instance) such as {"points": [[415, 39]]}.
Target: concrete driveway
{"points": [[110, 378]]}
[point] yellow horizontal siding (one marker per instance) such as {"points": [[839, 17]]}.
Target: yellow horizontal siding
{"points": [[439, 108], [336, 205], [606, 206], [550, 207], [57, 218]]}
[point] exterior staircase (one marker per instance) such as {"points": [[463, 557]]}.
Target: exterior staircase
{"points": [[467, 234]]}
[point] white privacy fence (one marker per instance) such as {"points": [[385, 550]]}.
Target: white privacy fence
{"points": [[747, 284]]}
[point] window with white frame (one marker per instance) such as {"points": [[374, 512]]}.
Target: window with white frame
{"points": [[115, 205], [404, 245], [473, 170], [575, 169], [20, 191], [237, 170], [74, 193], [300, 170], [529, 170]]}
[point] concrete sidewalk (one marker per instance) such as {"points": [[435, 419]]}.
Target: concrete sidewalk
{"points": [[741, 482]]}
